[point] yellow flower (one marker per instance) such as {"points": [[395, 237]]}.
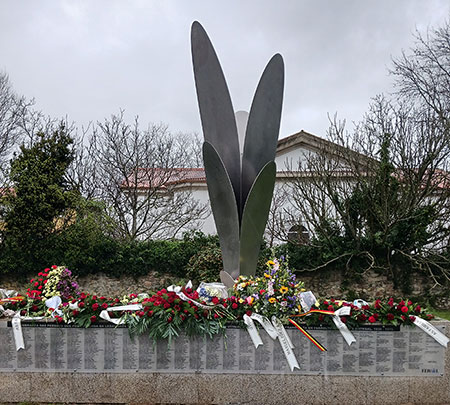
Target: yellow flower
{"points": [[267, 275], [241, 300], [270, 262], [283, 290], [272, 300]]}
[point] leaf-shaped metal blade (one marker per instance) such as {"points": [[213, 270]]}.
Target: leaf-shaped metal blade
{"points": [[216, 109], [254, 218], [224, 208], [263, 124]]}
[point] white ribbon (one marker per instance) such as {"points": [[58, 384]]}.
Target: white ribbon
{"points": [[342, 327], [252, 331], [286, 343], [428, 328], [7, 293], [265, 323], [17, 332], [360, 303], [118, 321], [74, 305], [131, 307], [105, 315], [54, 302]]}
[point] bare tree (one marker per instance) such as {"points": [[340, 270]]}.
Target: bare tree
{"points": [[380, 194], [139, 173], [13, 108]]}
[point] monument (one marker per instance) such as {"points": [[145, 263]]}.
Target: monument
{"points": [[240, 190]]}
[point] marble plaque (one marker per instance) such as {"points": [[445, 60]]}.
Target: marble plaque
{"points": [[383, 352]]}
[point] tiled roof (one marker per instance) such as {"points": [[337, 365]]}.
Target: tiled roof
{"points": [[146, 178]]}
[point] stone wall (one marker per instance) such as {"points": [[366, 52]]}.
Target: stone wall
{"points": [[204, 388]]}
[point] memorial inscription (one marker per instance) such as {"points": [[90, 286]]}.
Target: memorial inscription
{"points": [[408, 352]]}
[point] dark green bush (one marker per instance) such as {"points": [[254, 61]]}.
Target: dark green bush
{"points": [[205, 265]]}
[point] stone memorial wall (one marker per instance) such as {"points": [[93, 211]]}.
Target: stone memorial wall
{"points": [[378, 351], [103, 365]]}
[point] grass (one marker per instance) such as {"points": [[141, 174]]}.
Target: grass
{"points": [[441, 314]]}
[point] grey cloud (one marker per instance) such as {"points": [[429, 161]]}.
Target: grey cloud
{"points": [[88, 59]]}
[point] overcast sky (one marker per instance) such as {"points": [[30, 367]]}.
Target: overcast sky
{"points": [[88, 59]]}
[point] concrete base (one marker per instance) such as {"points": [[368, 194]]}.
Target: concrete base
{"points": [[221, 389]]}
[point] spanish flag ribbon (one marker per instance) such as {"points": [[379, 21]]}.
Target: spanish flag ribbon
{"points": [[311, 338], [11, 299]]}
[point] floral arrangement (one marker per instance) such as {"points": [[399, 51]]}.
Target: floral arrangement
{"points": [[385, 312], [205, 311], [275, 293], [55, 281]]}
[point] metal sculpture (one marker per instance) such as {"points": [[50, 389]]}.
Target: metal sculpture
{"points": [[240, 190]]}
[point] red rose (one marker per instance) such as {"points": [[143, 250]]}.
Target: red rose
{"points": [[249, 313], [196, 316], [403, 318], [405, 309], [225, 305], [177, 308], [94, 297], [149, 313], [401, 303], [330, 308], [95, 306], [325, 303], [34, 308], [169, 319], [23, 312], [81, 304], [412, 318], [377, 304], [104, 305], [59, 319], [234, 305], [417, 309], [390, 317], [216, 316], [215, 300], [54, 267], [362, 317], [344, 319], [75, 312], [140, 313], [166, 305], [409, 302], [36, 284], [93, 318], [372, 319]]}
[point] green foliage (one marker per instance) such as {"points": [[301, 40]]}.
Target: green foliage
{"points": [[39, 205], [205, 265], [40, 193]]}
